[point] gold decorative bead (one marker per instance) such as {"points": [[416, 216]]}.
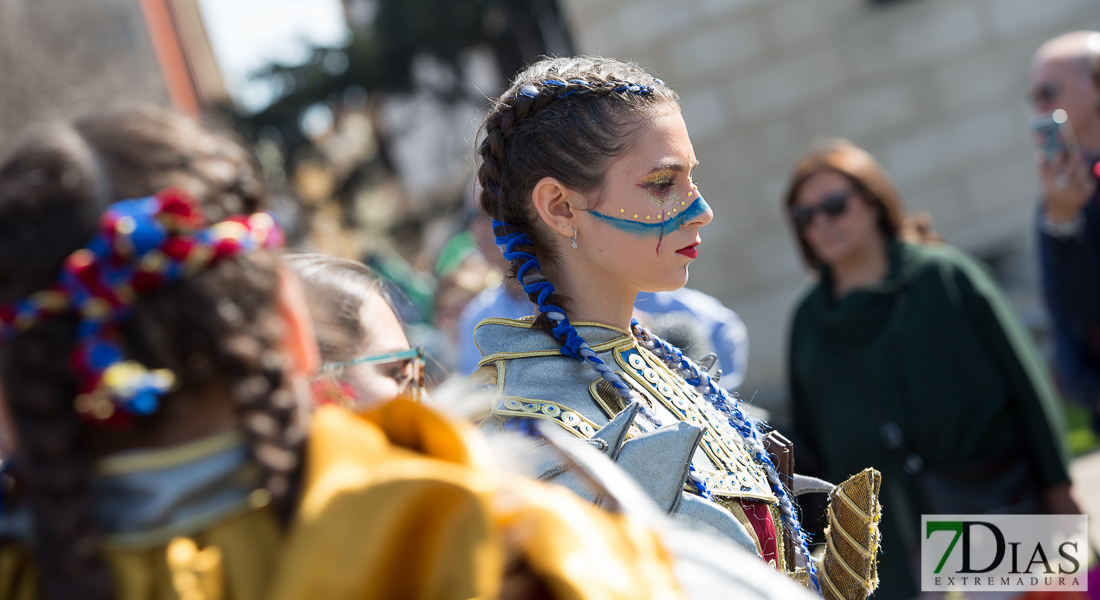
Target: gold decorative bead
{"points": [[103, 408], [50, 300], [95, 308], [259, 498], [635, 215], [622, 210], [647, 217], [182, 550], [229, 230], [261, 220], [152, 262], [126, 225]]}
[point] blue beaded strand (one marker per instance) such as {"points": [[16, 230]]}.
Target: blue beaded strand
{"points": [[744, 424]]}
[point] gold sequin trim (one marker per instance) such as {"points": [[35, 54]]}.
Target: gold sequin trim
{"points": [[576, 423]]}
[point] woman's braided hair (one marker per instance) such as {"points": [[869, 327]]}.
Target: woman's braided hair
{"points": [[218, 328], [566, 118]]}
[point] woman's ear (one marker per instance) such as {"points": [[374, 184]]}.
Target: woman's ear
{"points": [[556, 205], [299, 342]]}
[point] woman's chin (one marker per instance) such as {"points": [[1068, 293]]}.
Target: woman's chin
{"points": [[831, 255], [669, 284]]}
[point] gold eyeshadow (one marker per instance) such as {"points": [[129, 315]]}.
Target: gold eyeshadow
{"points": [[665, 200]]}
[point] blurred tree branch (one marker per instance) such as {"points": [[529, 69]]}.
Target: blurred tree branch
{"points": [[382, 51]]}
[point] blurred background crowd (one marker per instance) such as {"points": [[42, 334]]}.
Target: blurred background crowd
{"points": [[363, 116]]}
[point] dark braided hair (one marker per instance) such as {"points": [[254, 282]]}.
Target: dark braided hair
{"points": [[218, 328], [566, 118]]}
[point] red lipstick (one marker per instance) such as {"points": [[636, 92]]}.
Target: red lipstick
{"points": [[689, 251]]}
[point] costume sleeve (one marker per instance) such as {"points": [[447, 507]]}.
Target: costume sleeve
{"points": [[1032, 393], [1071, 285]]}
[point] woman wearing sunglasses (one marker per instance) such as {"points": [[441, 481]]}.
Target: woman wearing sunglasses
{"points": [[906, 357], [366, 356]]}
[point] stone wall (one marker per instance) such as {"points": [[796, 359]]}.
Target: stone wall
{"points": [[60, 58], [935, 89]]}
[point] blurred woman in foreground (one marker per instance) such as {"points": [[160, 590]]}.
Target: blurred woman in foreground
{"points": [[906, 357], [365, 354], [155, 355]]}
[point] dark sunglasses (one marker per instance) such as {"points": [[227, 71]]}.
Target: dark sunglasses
{"points": [[832, 206], [1048, 92]]}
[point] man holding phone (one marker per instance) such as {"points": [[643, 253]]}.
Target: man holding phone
{"points": [[1063, 78]]}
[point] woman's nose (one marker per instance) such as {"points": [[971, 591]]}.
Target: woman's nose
{"points": [[702, 217]]}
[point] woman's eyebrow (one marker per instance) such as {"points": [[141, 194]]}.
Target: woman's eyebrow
{"points": [[670, 166], [674, 166]]}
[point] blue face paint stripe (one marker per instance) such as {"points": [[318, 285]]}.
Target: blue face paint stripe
{"points": [[696, 208]]}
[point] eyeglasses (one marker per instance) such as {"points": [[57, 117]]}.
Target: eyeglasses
{"points": [[832, 206], [1045, 93], [414, 384]]}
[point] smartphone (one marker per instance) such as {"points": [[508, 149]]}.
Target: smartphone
{"points": [[1053, 135]]}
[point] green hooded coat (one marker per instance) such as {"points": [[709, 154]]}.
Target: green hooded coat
{"points": [[950, 364]]}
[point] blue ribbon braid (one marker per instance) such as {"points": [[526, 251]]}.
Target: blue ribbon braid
{"points": [[745, 425], [530, 90], [529, 275]]}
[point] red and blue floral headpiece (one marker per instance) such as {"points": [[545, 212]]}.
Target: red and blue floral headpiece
{"points": [[140, 246]]}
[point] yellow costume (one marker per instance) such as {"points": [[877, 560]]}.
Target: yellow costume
{"points": [[400, 502]]}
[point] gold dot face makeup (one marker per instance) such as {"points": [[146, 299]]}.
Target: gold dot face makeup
{"points": [[663, 188]]}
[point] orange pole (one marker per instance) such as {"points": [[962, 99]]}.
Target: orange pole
{"points": [[169, 51]]}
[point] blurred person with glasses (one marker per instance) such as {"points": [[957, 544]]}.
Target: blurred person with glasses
{"points": [[366, 356], [1063, 78], [904, 356]]}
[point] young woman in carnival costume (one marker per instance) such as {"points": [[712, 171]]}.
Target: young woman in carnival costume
{"points": [[155, 358], [586, 170]]}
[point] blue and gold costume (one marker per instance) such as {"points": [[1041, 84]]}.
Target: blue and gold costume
{"points": [[653, 411], [679, 444]]}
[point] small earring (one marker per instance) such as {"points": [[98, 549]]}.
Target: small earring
{"points": [[574, 238]]}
